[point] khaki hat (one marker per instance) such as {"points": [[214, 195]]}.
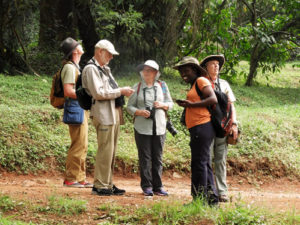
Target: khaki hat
{"points": [[192, 61], [219, 58], [105, 44], [68, 46]]}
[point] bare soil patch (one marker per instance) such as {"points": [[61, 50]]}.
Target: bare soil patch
{"points": [[276, 195]]}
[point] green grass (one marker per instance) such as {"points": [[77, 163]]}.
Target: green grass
{"points": [[33, 138], [197, 212], [60, 210], [63, 206]]}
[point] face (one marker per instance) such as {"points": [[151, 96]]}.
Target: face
{"points": [[188, 73], [212, 68], [104, 56], [149, 73], [78, 52]]}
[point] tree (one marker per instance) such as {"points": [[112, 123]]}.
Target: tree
{"points": [[267, 40], [14, 16]]}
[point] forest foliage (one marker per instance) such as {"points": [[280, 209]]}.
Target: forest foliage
{"points": [[265, 33]]}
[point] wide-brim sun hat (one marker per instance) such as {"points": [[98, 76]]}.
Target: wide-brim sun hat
{"points": [[68, 46], [107, 45], [219, 58], [191, 61]]}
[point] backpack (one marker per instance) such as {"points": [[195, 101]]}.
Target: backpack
{"points": [[220, 113], [57, 99], [84, 99]]}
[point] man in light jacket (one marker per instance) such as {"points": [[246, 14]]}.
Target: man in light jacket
{"points": [[105, 113]]}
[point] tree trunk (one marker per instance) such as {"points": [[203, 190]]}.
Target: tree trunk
{"points": [[87, 31], [47, 34], [66, 22], [253, 65]]}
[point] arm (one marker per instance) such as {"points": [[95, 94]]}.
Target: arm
{"points": [[234, 128], [69, 91], [209, 99], [132, 107], [97, 85], [167, 104]]}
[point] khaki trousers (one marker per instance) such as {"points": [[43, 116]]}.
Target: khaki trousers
{"points": [[76, 158], [219, 157], [107, 137]]}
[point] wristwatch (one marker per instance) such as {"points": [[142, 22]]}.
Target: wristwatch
{"points": [[235, 123]]}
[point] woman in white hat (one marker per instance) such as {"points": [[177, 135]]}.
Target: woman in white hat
{"points": [[148, 105]]}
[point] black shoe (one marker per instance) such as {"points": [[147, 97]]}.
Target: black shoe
{"points": [[101, 191], [223, 198], [117, 191], [213, 201]]}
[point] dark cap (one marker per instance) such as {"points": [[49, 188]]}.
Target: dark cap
{"points": [[68, 46]]}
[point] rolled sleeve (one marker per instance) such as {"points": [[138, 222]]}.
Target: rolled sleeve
{"points": [[131, 105]]}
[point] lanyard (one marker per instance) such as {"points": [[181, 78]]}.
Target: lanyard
{"points": [[155, 93]]}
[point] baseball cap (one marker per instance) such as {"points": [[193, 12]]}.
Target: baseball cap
{"points": [[105, 44]]}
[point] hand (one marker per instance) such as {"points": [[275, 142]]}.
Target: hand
{"points": [[143, 113], [234, 131], [184, 103], [126, 91], [159, 105]]}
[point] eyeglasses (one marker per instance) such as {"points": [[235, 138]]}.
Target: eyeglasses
{"points": [[149, 70]]}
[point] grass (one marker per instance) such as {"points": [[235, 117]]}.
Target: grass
{"points": [[195, 213], [33, 138], [63, 206], [61, 210]]}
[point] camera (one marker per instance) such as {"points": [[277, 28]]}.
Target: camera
{"points": [[120, 101], [171, 128], [152, 112]]}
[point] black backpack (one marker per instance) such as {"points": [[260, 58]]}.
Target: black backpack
{"points": [[84, 99], [220, 113]]}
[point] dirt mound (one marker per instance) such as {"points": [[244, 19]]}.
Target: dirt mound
{"points": [[263, 167]]}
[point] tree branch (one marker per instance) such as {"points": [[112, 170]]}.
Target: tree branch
{"points": [[248, 6], [24, 52]]}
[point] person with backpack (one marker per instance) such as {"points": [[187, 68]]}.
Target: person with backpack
{"points": [[148, 105], [198, 121], [213, 65], [75, 175], [106, 114]]}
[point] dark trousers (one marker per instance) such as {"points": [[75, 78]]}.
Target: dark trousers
{"points": [[202, 175], [150, 149]]}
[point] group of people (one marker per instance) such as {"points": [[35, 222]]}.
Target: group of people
{"points": [[148, 102]]}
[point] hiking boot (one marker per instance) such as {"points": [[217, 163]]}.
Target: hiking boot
{"points": [[86, 184], [74, 184], [101, 191], [161, 192], [223, 198], [117, 191], [148, 192]]}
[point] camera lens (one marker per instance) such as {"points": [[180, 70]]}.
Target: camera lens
{"points": [[171, 128]]}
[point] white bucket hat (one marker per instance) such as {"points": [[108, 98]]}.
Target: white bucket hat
{"points": [[150, 63], [105, 44]]}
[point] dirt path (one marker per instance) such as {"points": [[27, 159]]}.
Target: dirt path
{"points": [[277, 196]]}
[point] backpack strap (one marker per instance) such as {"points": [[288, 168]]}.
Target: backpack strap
{"points": [[199, 92]]}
